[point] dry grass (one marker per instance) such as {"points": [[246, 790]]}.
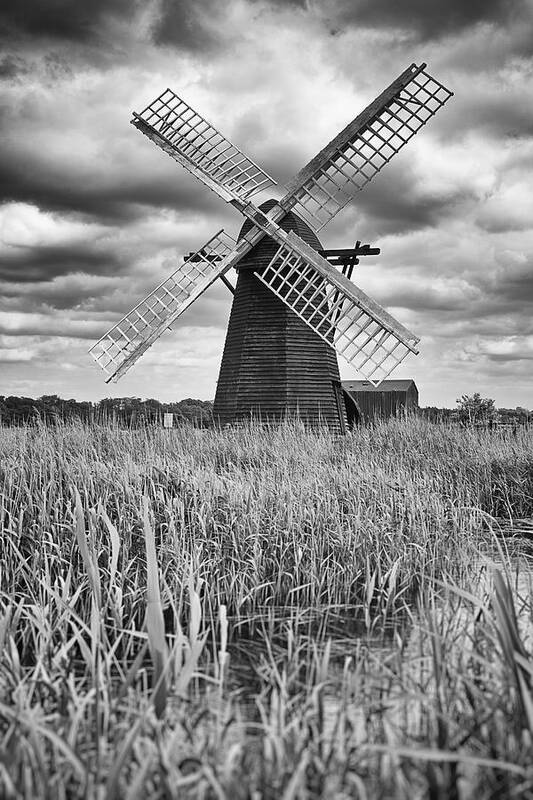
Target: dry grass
{"points": [[260, 613]]}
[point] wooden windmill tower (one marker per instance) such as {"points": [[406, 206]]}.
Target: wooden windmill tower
{"points": [[293, 309]]}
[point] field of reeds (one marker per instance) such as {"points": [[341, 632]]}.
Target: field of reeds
{"points": [[266, 613]]}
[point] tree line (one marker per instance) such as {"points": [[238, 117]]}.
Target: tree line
{"points": [[128, 411], [133, 412]]}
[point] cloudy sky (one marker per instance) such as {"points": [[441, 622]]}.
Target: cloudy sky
{"points": [[93, 215]]}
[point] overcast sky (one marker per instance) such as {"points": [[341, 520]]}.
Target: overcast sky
{"points": [[93, 215]]}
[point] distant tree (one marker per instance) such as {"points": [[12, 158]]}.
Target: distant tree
{"points": [[18, 410], [50, 408], [474, 408], [522, 413], [198, 411], [434, 414]]}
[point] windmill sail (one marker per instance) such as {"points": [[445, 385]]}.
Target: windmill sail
{"points": [[357, 327], [199, 147], [363, 148], [339, 313], [125, 342]]}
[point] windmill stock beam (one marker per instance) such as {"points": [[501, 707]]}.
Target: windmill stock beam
{"points": [[361, 250], [363, 119], [309, 254]]}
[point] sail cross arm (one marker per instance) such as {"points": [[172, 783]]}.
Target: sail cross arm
{"points": [[359, 329], [185, 135], [125, 342], [353, 291], [326, 184], [174, 153], [267, 223]]}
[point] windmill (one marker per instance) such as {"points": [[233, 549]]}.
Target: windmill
{"points": [[293, 310]]}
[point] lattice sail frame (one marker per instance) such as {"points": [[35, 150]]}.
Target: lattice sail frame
{"points": [[126, 341], [359, 329], [186, 136], [361, 150], [346, 318]]}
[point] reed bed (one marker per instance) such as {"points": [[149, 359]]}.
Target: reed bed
{"points": [[264, 613]]}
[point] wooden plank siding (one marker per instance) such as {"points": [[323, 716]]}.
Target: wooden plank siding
{"points": [[274, 366], [391, 398]]}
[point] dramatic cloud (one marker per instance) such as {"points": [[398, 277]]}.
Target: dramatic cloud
{"points": [[425, 20], [92, 215], [191, 24], [60, 19]]}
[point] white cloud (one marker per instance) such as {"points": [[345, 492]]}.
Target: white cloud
{"points": [[23, 225], [281, 86]]}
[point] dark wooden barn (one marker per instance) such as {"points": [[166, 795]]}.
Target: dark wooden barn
{"points": [[365, 402]]}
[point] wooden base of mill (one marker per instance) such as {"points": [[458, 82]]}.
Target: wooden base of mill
{"points": [[274, 366]]}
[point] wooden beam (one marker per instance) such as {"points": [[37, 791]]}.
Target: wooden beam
{"points": [[227, 283], [361, 250], [360, 122]]}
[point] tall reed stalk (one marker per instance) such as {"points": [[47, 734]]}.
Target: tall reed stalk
{"points": [[264, 613]]}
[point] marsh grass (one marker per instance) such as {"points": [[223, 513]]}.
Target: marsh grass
{"points": [[264, 613]]}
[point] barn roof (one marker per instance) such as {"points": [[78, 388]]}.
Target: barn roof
{"points": [[384, 386]]}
